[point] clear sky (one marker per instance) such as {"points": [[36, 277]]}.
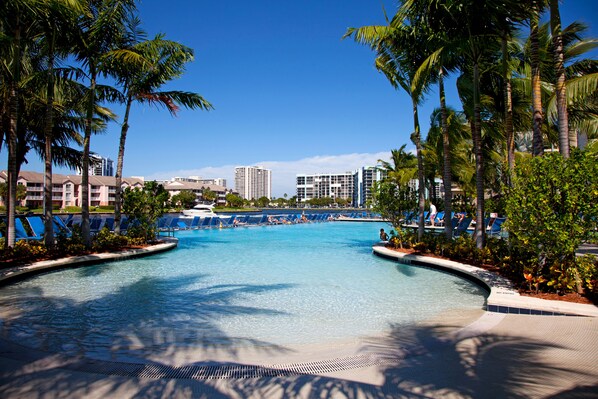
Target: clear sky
{"points": [[288, 93]]}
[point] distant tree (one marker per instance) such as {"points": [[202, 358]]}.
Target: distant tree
{"points": [[208, 195], [185, 199], [263, 202], [21, 192], [280, 202], [234, 201]]}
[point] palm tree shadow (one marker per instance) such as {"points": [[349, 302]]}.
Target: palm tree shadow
{"points": [[136, 315]]}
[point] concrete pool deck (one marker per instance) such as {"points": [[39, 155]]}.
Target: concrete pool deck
{"points": [[461, 354]]}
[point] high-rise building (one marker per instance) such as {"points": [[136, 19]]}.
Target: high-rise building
{"points": [[253, 182], [99, 166], [364, 182], [331, 185]]}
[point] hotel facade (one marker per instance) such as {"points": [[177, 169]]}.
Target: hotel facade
{"points": [[67, 189]]}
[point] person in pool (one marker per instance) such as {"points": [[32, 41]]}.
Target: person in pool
{"points": [[383, 235]]}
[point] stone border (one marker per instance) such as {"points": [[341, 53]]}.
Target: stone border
{"points": [[503, 297], [19, 272]]}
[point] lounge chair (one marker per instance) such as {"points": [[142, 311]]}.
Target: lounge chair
{"points": [[37, 225], [21, 232], [195, 222], [496, 228], [462, 226]]}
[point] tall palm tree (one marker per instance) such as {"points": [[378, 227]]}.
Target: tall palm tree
{"points": [[161, 61], [402, 168], [57, 18], [536, 78], [561, 91], [101, 32], [400, 50], [17, 22]]}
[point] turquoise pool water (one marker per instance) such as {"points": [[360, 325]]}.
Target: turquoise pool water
{"points": [[244, 287]]}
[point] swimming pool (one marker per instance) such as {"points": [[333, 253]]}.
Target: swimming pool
{"points": [[258, 287]]}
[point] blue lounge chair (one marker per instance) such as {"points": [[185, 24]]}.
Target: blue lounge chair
{"points": [[496, 228], [195, 222], [37, 225], [205, 222], [60, 227], [21, 233], [95, 224], [109, 223], [462, 226]]}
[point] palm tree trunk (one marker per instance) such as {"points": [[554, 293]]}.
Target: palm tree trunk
{"points": [[509, 131], [416, 138], [48, 223], [446, 149], [12, 171], [536, 88], [119, 165], [561, 91], [479, 159], [85, 228]]}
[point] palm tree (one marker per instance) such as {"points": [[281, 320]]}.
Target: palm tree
{"points": [[536, 79], [561, 91], [57, 19], [102, 30], [400, 50], [161, 61], [16, 21], [402, 168]]}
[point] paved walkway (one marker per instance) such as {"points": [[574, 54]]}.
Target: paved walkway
{"points": [[473, 354]]}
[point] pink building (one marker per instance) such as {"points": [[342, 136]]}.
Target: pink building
{"points": [[66, 189]]}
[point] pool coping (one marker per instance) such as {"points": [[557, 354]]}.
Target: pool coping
{"points": [[10, 274], [503, 297]]}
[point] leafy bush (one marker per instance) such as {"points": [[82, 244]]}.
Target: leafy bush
{"points": [[24, 251], [106, 240], [72, 209], [551, 210]]}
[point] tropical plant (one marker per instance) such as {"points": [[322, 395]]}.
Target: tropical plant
{"points": [[551, 210], [185, 199], [144, 207], [142, 78], [400, 49], [102, 35]]}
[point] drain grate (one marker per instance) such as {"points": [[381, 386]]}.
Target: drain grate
{"points": [[158, 371]]}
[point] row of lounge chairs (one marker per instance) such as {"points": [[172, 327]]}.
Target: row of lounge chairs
{"points": [[32, 227], [169, 223], [460, 224]]}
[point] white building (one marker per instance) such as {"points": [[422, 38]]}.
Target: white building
{"points": [[196, 179], [99, 166], [331, 185], [253, 182], [364, 182]]}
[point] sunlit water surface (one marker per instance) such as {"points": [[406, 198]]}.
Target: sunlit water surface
{"points": [[242, 287]]}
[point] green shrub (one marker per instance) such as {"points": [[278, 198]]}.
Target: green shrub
{"points": [[551, 210], [587, 267], [106, 240], [72, 209]]}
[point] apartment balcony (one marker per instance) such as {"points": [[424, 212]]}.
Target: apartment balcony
{"points": [[34, 197], [57, 198], [95, 190], [33, 188]]}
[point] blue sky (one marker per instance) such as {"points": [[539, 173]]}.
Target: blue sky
{"points": [[288, 93]]}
